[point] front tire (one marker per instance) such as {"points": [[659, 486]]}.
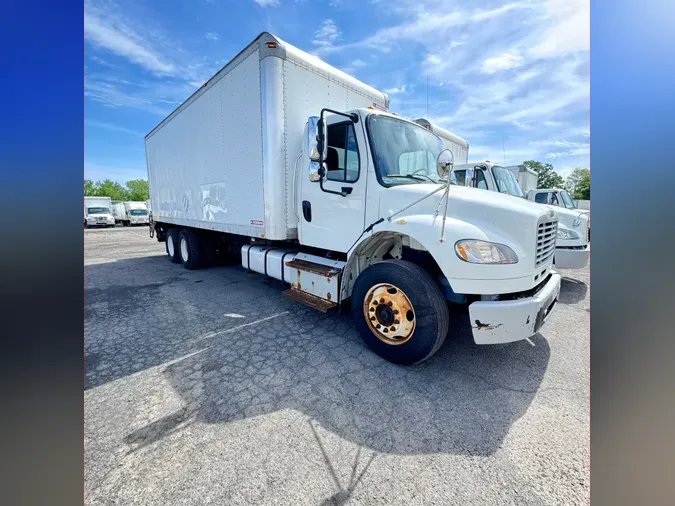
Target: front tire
{"points": [[172, 245], [400, 311], [190, 251]]}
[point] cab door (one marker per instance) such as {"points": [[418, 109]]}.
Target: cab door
{"points": [[328, 220]]}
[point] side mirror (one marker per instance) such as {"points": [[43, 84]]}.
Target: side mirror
{"points": [[314, 175], [444, 163], [311, 140], [321, 137], [468, 178]]}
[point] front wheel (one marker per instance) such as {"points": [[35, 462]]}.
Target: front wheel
{"points": [[400, 311]]}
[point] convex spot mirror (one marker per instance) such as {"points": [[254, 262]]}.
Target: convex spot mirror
{"points": [[444, 163]]}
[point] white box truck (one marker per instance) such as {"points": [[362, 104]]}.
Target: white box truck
{"points": [[526, 177], [131, 213], [97, 212], [296, 167], [572, 248], [119, 212], [458, 146]]}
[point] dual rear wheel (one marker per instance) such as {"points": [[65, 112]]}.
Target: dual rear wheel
{"points": [[184, 246]]}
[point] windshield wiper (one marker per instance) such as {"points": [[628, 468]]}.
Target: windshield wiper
{"points": [[416, 177]]}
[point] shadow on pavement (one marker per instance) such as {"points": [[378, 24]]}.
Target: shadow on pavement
{"points": [[572, 291], [233, 347]]}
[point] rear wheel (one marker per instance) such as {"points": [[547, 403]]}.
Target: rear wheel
{"points": [[172, 245], [400, 311], [190, 251]]}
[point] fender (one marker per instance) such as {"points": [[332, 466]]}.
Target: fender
{"points": [[417, 231]]}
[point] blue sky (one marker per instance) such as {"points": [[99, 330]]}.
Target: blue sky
{"points": [[510, 77]]}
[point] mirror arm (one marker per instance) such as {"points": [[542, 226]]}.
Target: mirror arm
{"points": [[320, 145]]}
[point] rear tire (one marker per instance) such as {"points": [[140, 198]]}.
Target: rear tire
{"points": [[407, 315], [172, 245], [190, 250]]}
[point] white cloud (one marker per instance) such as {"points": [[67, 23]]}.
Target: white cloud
{"points": [[358, 63], [211, 36], [394, 91], [568, 28], [327, 34], [116, 36], [110, 126], [502, 62], [267, 3], [101, 61]]}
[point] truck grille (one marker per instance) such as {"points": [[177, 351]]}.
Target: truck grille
{"points": [[546, 235]]}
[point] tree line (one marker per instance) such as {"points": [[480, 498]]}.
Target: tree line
{"points": [[578, 183], [135, 190]]}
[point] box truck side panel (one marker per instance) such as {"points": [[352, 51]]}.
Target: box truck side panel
{"points": [[204, 160], [307, 90]]}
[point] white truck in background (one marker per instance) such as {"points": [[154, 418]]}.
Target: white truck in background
{"points": [[572, 249], [297, 168], [526, 177], [458, 146], [97, 212], [131, 213]]}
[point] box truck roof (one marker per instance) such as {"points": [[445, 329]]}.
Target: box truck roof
{"points": [[270, 45]]}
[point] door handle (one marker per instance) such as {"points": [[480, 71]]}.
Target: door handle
{"points": [[307, 210], [346, 190]]}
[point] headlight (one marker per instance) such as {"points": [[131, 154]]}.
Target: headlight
{"points": [[567, 234], [482, 252]]}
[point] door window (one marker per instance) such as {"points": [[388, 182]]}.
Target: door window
{"points": [[541, 198], [460, 177], [342, 159]]}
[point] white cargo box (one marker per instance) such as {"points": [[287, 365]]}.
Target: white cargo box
{"points": [[224, 160], [458, 146]]}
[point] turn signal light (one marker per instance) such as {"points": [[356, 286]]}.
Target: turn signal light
{"points": [[272, 45]]}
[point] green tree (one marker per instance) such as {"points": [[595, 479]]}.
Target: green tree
{"points": [[89, 188], [112, 189], [139, 189], [579, 184], [547, 177]]}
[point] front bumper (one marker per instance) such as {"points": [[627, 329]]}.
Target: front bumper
{"points": [[572, 258], [513, 320]]}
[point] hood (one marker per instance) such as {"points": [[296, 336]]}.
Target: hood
{"points": [[461, 198], [501, 216], [567, 217]]}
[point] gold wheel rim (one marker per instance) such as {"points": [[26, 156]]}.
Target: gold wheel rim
{"points": [[389, 313]]}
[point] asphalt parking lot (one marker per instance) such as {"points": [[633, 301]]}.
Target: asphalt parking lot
{"points": [[210, 387]]}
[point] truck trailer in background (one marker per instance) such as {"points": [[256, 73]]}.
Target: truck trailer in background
{"points": [[298, 169], [458, 146], [98, 212], [527, 178], [131, 213]]}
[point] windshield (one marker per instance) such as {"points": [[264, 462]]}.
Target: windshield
{"points": [[138, 212], [506, 181], [567, 200], [404, 153], [98, 210]]}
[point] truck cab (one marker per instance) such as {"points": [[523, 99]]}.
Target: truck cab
{"points": [[382, 197], [572, 244]]}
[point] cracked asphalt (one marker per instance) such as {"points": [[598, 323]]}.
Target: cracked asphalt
{"points": [[210, 387]]}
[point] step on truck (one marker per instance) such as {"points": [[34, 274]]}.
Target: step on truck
{"points": [[298, 169]]}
